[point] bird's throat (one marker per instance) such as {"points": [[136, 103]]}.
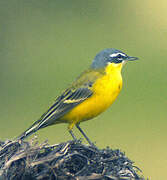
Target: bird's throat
{"points": [[113, 67]]}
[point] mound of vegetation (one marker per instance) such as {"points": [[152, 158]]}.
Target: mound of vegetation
{"points": [[70, 160]]}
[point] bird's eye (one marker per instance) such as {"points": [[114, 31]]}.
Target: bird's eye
{"points": [[119, 56]]}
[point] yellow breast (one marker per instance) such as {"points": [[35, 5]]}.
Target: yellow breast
{"points": [[105, 90]]}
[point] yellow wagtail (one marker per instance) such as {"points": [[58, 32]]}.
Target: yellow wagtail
{"points": [[88, 96]]}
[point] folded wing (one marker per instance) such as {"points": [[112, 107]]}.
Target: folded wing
{"points": [[76, 94]]}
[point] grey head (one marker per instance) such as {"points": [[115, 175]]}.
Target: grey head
{"points": [[106, 56]]}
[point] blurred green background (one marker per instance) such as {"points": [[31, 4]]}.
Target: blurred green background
{"points": [[45, 44]]}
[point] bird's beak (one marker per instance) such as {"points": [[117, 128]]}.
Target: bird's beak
{"points": [[130, 58]]}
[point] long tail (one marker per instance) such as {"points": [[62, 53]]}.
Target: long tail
{"points": [[57, 110], [32, 129], [43, 121]]}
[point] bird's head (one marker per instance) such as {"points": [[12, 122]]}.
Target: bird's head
{"points": [[107, 56]]}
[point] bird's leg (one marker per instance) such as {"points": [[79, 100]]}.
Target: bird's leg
{"points": [[77, 125], [72, 134]]}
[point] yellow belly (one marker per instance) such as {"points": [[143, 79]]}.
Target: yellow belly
{"points": [[105, 91]]}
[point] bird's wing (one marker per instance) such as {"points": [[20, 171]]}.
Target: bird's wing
{"points": [[79, 91], [67, 101]]}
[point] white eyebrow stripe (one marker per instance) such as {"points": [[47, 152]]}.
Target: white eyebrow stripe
{"points": [[116, 54]]}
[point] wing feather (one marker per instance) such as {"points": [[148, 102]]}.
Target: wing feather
{"points": [[79, 91], [65, 104]]}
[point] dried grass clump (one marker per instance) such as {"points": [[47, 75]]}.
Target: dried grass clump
{"points": [[70, 160]]}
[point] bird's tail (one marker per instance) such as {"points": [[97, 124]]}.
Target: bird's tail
{"points": [[32, 129], [45, 120]]}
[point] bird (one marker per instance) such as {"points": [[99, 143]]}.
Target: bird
{"points": [[92, 92]]}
